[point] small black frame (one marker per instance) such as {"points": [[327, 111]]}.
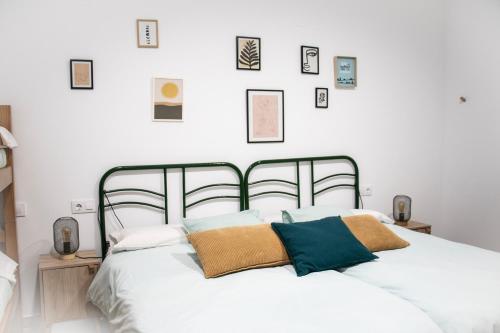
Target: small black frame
{"points": [[318, 106], [302, 59], [238, 53], [282, 116], [71, 61]]}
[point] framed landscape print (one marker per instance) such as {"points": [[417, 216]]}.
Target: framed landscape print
{"points": [[248, 53], [265, 116], [310, 59], [147, 33], [167, 99], [81, 73], [322, 98], [346, 72]]}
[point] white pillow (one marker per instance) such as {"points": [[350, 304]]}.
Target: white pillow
{"points": [[378, 215], [146, 237], [273, 218], [7, 267]]}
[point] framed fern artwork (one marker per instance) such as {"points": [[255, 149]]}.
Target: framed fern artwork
{"points": [[248, 53]]}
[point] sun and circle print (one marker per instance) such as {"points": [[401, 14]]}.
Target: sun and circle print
{"points": [[167, 100]]}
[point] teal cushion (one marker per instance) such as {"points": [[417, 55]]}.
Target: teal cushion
{"points": [[321, 245], [312, 213], [246, 217]]}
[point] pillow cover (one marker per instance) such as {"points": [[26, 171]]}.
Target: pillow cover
{"points": [[312, 213], [246, 217], [321, 245], [146, 237], [234, 249], [7, 267], [378, 215], [372, 234]]}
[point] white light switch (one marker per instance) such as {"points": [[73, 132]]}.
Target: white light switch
{"points": [[21, 209], [82, 206], [366, 190]]}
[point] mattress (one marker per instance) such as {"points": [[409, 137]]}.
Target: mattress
{"points": [[456, 285], [6, 290], [163, 290]]}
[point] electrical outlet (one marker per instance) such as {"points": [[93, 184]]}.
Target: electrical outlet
{"points": [[83, 206], [366, 190]]}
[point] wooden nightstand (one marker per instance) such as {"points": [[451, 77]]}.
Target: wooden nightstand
{"points": [[416, 226], [63, 287]]}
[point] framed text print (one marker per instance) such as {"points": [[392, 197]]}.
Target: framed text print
{"points": [[310, 59], [346, 72], [265, 116], [248, 53], [82, 74], [167, 99], [147, 33], [322, 98]]}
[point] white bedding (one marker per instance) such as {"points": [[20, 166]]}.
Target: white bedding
{"points": [[163, 290], [457, 285], [6, 289]]}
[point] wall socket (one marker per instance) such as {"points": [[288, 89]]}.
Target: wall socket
{"points": [[83, 206], [366, 190]]}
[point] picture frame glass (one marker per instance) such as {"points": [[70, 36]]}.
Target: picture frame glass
{"points": [[265, 116], [167, 99], [345, 72], [248, 53], [81, 74], [310, 59], [147, 33]]}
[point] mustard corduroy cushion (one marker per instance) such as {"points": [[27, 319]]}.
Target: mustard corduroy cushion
{"points": [[373, 234], [234, 249]]}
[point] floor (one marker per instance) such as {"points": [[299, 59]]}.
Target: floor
{"points": [[91, 325]]}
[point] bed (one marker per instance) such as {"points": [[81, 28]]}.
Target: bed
{"points": [[164, 288]]}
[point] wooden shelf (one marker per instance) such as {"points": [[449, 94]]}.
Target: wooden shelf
{"points": [[5, 177]]}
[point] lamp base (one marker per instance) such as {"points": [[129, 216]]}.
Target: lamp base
{"points": [[401, 223], [67, 256]]}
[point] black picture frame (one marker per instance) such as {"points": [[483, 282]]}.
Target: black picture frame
{"points": [[71, 61], [305, 61], [316, 95], [258, 54], [282, 92]]}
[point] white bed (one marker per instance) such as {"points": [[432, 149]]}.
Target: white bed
{"points": [[457, 285], [163, 289], [6, 292]]}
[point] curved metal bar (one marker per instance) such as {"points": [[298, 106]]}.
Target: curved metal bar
{"points": [[212, 198], [273, 192], [273, 181], [332, 187], [131, 189], [333, 176], [136, 203], [211, 185]]}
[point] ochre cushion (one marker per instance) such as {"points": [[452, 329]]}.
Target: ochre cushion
{"points": [[234, 249], [373, 234]]}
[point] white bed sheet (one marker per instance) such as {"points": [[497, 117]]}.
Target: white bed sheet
{"points": [[457, 285], [164, 290], [6, 290]]}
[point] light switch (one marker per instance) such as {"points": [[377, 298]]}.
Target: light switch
{"points": [[21, 209]]}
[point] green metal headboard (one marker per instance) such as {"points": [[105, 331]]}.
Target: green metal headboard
{"points": [[296, 184], [103, 192]]}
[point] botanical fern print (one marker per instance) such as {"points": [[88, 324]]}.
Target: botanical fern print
{"points": [[248, 53]]}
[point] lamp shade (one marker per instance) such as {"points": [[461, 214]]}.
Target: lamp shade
{"points": [[66, 237], [401, 208]]}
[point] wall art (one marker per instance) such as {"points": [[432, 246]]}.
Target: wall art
{"points": [[147, 33], [322, 98], [167, 99], [81, 74], [265, 116], [310, 59], [248, 53], [346, 72]]}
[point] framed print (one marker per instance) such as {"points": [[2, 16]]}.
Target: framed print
{"points": [[310, 59], [81, 74], [322, 98], [147, 33], [248, 53], [265, 116], [167, 99], [346, 72]]}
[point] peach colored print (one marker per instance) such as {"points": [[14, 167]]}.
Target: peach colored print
{"points": [[265, 116], [82, 77]]}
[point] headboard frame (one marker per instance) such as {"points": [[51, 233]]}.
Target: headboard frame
{"points": [[296, 184], [103, 192]]}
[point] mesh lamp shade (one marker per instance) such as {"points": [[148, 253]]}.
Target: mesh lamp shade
{"points": [[401, 208], [66, 238]]}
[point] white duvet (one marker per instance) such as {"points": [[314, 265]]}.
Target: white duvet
{"points": [[6, 291], [163, 290], [457, 285]]}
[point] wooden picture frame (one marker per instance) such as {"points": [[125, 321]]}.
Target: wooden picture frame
{"points": [[346, 72], [248, 53], [321, 98], [81, 74], [309, 60], [265, 116], [147, 33]]}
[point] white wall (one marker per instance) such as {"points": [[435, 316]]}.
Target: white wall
{"points": [[472, 135], [391, 124]]}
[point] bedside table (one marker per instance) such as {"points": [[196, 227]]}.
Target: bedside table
{"points": [[416, 226], [63, 287]]}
